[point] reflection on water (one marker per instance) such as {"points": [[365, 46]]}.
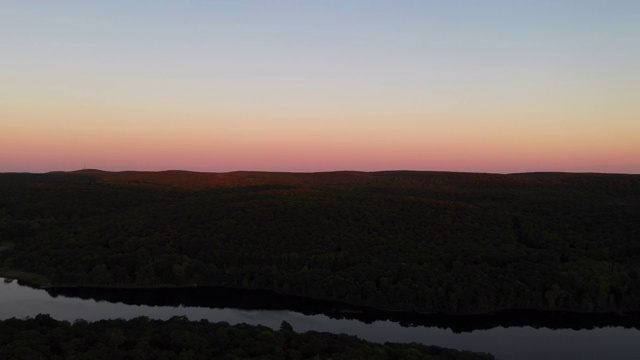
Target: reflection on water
{"points": [[219, 297], [513, 342]]}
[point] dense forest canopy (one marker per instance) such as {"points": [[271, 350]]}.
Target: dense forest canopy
{"points": [[178, 338], [399, 240]]}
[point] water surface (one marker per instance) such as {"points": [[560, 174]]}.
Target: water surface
{"points": [[598, 341]]}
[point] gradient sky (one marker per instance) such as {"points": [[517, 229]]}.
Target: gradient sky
{"points": [[483, 86]]}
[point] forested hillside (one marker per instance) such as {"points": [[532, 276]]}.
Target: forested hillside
{"points": [[420, 241], [178, 338]]}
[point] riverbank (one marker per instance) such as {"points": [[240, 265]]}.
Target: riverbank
{"points": [[340, 308], [142, 336], [527, 341], [337, 308], [250, 299], [25, 278]]}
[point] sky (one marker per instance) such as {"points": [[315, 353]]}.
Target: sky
{"points": [[307, 86]]}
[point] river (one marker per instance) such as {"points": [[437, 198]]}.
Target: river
{"points": [[590, 337]]}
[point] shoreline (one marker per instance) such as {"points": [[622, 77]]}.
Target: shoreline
{"points": [[26, 279], [260, 299]]}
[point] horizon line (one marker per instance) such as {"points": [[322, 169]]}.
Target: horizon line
{"points": [[320, 172]]}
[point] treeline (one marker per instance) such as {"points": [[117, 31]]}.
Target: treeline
{"points": [[428, 242], [45, 338]]}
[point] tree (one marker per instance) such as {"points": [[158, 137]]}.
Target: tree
{"points": [[285, 326]]}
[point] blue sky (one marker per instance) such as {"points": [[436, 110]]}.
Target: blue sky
{"points": [[490, 76]]}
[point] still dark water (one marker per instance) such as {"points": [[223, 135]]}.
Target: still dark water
{"points": [[507, 336]]}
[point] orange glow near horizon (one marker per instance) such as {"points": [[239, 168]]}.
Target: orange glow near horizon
{"points": [[285, 146], [314, 87]]}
